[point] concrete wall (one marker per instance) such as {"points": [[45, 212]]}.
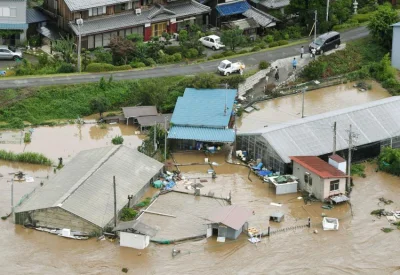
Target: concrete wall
{"points": [[396, 47], [286, 188], [327, 187], [230, 232], [20, 17], [57, 217], [320, 187]]}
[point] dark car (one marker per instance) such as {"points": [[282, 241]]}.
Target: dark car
{"points": [[325, 42]]}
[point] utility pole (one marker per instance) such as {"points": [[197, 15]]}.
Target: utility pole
{"points": [[315, 25], [165, 138], [302, 106], [327, 10], [334, 138], [79, 23], [155, 133], [115, 202], [12, 196], [352, 136]]}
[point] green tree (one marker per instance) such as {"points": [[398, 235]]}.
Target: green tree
{"points": [[122, 50], [233, 38], [86, 59], [99, 104], [102, 56], [189, 39], [380, 25], [341, 11], [66, 47], [205, 81]]}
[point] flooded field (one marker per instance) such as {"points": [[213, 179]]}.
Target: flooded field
{"points": [[66, 141], [288, 108], [359, 247]]}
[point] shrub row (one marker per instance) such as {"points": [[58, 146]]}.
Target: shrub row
{"points": [[104, 67]]}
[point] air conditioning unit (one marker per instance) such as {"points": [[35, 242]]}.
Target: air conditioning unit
{"points": [[138, 11]]}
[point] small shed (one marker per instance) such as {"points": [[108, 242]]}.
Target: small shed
{"points": [[396, 46], [148, 121], [134, 234], [138, 111], [276, 217], [228, 222]]}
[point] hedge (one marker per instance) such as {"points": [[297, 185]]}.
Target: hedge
{"points": [[104, 67]]}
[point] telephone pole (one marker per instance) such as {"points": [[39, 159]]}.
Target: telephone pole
{"points": [[315, 25], [165, 139], [115, 202], [327, 10], [155, 133], [334, 138], [352, 137]]}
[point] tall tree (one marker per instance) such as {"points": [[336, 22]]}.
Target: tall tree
{"points": [[99, 104], [66, 47], [233, 38], [380, 25], [122, 50]]}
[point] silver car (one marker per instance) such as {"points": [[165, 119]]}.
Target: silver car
{"points": [[7, 53]]}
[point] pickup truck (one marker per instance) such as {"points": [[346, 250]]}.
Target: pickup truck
{"points": [[226, 67]]}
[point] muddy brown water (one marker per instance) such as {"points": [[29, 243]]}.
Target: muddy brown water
{"points": [[359, 247], [283, 109]]}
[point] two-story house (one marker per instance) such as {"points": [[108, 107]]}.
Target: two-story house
{"points": [[103, 19], [13, 21]]}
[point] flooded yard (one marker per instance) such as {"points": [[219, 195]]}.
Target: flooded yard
{"points": [[287, 108]]}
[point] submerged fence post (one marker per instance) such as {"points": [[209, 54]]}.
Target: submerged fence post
{"points": [[269, 231], [309, 222]]}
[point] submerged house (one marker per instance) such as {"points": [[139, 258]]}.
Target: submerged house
{"points": [[377, 124], [203, 116], [319, 178], [228, 222], [80, 196]]}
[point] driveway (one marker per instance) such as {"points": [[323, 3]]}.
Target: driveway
{"points": [[4, 64], [171, 70]]}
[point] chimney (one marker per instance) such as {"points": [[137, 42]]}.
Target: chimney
{"points": [[338, 162]]}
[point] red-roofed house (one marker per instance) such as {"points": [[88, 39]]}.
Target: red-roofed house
{"points": [[318, 177]]}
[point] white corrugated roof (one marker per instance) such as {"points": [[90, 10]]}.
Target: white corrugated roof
{"points": [[313, 136], [84, 186]]}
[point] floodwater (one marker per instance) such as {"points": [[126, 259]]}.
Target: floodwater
{"points": [[359, 247], [284, 109], [68, 140]]}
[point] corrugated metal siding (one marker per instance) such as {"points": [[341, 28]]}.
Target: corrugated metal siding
{"points": [[204, 107], [396, 46], [84, 187], [5, 26], [374, 121], [202, 134]]}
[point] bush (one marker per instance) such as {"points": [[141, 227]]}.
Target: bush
{"points": [[228, 53], [166, 58], [389, 161], [149, 62], [263, 65], [283, 42], [255, 49], [273, 44], [243, 51], [103, 67], [27, 138], [173, 49], [216, 56], [345, 26], [137, 64], [269, 39], [66, 68], [286, 36], [117, 140], [177, 57], [191, 53], [294, 32], [262, 45], [128, 214], [361, 18], [27, 157], [102, 56], [233, 80]]}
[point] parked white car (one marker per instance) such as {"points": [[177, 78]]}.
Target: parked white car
{"points": [[7, 53], [226, 67], [212, 41]]}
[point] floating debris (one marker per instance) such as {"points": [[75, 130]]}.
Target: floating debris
{"points": [[125, 270], [386, 229], [385, 201]]}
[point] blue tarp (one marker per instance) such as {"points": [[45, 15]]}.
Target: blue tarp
{"points": [[169, 185], [264, 173], [232, 8]]}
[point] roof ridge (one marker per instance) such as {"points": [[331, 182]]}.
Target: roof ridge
{"points": [[85, 177]]}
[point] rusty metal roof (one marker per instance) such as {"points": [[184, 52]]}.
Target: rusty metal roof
{"points": [[232, 216], [319, 167]]}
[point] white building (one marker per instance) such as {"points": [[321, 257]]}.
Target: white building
{"points": [[134, 234], [319, 178]]}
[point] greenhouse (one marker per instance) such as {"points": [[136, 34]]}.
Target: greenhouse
{"points": [[375, 125]]}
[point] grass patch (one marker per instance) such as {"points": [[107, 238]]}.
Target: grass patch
{"points": [[387, 230], [26, 157], [27, 138], [117, 140], [378, 212], [358, 169], [385, 201], [128, 214]]}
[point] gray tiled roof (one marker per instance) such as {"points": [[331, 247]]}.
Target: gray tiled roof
{"points": [[262, 18], [35, 16], [311, 136], [76, 5], [84, 186], [245, 24], [126, 20], [275, 4]]}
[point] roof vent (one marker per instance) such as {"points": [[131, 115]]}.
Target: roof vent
{"points": [[138, 11]]}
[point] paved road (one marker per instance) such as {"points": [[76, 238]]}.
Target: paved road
{"points": [[171, 70]]}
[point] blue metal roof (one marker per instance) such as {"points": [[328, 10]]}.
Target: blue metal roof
{"points": [[5, 26], [396, 25], [202, 134], [231, 8], [204, 107]]}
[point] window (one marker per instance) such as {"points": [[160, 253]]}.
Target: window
{"points": [[334, 185], [307, 178], [158, 29], [6, 12], [96, 11]]}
